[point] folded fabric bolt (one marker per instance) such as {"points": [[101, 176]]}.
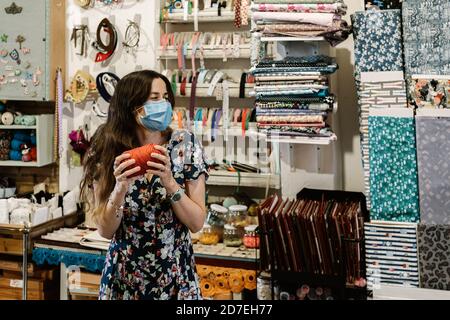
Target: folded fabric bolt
{"points": [[391, 253], [324, 19], [300, 131], [301, 92], [433, 150], [298, 1], [393, 169], [425, 37], [306, 7], [378, 41], [290, 118], [293, 106], [434, 256], [430, 93], [274, 112]]}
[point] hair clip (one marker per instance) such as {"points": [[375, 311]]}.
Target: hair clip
{"points": [[132, 36], [15, 56], [4, 37], [20, 39], [13, 9]]}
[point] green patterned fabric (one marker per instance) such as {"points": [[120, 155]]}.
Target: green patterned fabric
{"points": [[393, 169]]}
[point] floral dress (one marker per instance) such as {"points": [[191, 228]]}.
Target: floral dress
{"points": [[151, 255]]}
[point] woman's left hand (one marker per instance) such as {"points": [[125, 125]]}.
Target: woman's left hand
{"points": [[163, 171]]}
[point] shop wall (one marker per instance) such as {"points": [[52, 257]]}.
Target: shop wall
{"points": [[75, 115], [352, 174]]}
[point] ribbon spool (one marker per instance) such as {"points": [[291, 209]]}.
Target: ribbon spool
{"points": [[236, 282], [106, 51], [142, 155], [106, 85], [222, 283], [207, 288], [250, 280]]}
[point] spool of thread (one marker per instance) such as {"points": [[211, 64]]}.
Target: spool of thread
{"points": [[250, 280], [207, 288], [33, 154], [223, 295], [15, 155], [15, 144], [142, 155], [236, 282], [18, 120], [221, 283], [28, 120]]}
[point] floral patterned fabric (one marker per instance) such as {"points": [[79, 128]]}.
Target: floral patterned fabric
{"points": [[393, 169], [151, 255], [430, 93], [425, 36], [378, 41]]}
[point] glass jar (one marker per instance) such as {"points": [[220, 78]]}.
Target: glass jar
{"points": [[237, 215], [208, 236], [232, 236], [251, 237], [216, 219]]}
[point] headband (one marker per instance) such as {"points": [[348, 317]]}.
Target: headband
{"points": [[106, 85]]}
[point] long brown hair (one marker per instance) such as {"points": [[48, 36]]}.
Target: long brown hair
{"points": [[117, 135]]}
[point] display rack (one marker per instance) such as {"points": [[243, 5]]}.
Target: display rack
{"points": [[44, 142]]}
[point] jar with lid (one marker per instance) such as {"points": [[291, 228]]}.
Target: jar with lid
{"points": [[208, 236], [237, 216], [216, 219], [251, 237], [231, 236]]}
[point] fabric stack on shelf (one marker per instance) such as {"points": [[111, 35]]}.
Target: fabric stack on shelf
{"points": [[301, 18], [292, 96]]}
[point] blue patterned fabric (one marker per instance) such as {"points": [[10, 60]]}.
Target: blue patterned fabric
{"points": [[384, 4], [378, 41], [426, 36], [90, 262], [393, 169]]}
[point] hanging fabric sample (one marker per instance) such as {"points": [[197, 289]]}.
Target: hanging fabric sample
{"points": [[434, 256], [393, 165], [426, 38], [433, 156], [378, 40], [391, 254]]}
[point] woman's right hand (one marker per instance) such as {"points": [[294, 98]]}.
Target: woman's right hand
{"points": [[122, 173]]}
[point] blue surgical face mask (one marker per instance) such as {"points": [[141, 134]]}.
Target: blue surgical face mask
{"points": [[158, 115]]}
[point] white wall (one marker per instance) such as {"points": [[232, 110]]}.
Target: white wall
{"points": [[352, 174], [122, 63]]}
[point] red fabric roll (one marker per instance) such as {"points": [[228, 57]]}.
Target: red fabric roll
{"points": [[142, 155]]}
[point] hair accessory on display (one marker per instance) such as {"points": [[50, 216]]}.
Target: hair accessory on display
{"points": [[132, 36], [142, 155], [105, 51], [81, 85], [83, 3], [79, 33], [7, 118], [13, 9], [98, 111], [4, 37], [4, 53], [78, 141], [20, 39], [106, 85]]}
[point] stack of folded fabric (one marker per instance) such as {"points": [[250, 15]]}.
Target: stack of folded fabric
{"points": [[292, 96], [301, 18]]}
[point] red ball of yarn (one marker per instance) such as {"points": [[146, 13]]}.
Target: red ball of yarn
{"points": [[33, 154], [142, 155]]}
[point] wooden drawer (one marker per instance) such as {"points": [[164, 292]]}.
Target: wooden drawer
{"points": [[11, 246]]}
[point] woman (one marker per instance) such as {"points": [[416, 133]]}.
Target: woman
{"points": [[147, 217]]}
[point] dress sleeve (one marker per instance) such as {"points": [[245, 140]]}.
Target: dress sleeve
{"points": [[196, 161]]}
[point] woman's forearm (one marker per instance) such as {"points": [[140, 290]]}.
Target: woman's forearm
{"points": [[112, 216], [189, 212]]}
